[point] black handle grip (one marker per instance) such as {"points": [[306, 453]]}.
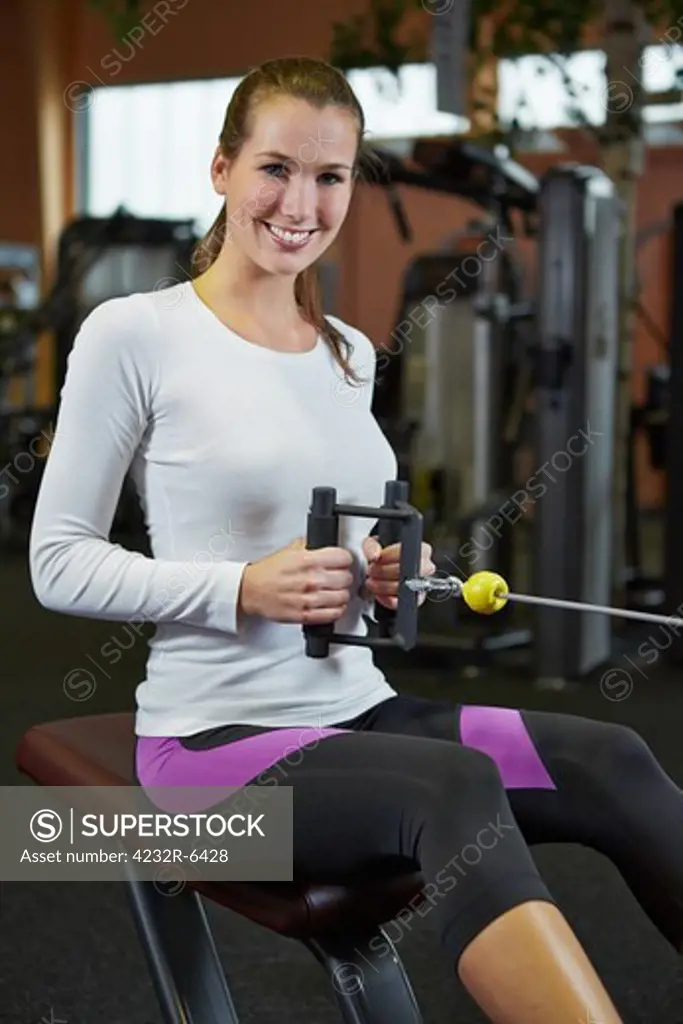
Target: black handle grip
{"points": [[389, 532], [322, 532], [399, 523]]}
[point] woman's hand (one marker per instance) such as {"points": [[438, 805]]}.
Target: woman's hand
{"points": [[383, 572], [299, 585]]}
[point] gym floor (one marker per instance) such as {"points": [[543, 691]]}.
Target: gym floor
{"points": [[69, 952]]}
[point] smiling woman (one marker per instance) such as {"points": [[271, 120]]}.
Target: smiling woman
{"points": [[289, 154], [228, 398]]}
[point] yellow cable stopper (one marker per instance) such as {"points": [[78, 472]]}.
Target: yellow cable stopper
{"points": [[485, 592]]}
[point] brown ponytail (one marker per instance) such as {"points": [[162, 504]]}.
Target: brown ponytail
{"points": [[308, 298], [321, 85], [207, 251]]}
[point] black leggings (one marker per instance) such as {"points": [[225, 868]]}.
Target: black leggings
{"points": [[459, 793]]}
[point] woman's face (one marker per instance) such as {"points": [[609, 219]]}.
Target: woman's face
{"points": [[288, 190]]}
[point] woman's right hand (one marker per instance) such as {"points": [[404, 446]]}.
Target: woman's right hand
{"points": [[299, 585]]}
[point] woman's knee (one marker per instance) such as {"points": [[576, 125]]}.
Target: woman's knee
{"points": [[473, 856], [595, 755], [463, 770], [626, 762], [624, 745], [469, 798], [614, 747]]}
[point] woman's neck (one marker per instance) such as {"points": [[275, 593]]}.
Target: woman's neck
{"points": [[263, 311], [250, 292]]}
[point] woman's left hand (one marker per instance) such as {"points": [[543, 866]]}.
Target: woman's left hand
{"points": [[384, 567]]}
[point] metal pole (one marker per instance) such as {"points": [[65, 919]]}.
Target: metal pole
{"points": [[452, 587]]}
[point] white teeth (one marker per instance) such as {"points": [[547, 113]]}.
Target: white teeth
{"points": [[293, 237]]}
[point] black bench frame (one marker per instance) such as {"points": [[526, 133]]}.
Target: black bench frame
{"points": [[369, 987]]}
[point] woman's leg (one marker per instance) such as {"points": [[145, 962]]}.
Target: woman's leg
{"points": [[362, 801], [573, 779], [612, 795]]}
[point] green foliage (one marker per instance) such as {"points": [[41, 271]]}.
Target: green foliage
{"points": [[371, 39], [529, 26], [662, 13], [538, 26], [120, 15]]}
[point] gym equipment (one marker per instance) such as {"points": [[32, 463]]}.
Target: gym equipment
{"points": [[568, 368], [462, 168], [657, 421], [20, 420], [446, 395], [648, 420], [452, 452], [487, 592], [19, 277], [398, 522], [98, 259], [673, 516], [455, 453], [576, 374], [103, 258], [341, 925], [484, 592]]}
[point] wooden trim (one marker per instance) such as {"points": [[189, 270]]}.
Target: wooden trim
{"points": [[52, 27]]}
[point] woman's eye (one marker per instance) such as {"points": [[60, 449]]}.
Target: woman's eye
{"points": [[281, 170], [275, 170]]}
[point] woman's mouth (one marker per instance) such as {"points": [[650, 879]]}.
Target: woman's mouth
{"points": [[286, 238]]}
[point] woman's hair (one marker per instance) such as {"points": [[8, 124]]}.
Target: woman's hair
{"points": [[321, 85]]}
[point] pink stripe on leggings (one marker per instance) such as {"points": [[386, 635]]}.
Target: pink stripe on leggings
{"points": [[502, 734], [163, 761]]}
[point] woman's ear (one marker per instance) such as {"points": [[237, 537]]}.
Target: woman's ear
{"points": [[220, 169]]}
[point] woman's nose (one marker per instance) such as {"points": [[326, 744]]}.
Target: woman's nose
{"points": [[300, 199]]}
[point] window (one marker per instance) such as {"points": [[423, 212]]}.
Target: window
{"points": [[148, 147], [540, 91]]}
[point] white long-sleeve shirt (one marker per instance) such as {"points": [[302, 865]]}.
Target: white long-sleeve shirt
{"points": [[225, 440]]}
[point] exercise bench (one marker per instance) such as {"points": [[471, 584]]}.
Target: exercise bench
{"points": [[341, 926]]}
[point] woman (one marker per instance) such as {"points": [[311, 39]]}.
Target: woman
{"points": [[230, 397]]}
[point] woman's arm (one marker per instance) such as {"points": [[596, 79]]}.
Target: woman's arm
{"points": [[105, 410]]}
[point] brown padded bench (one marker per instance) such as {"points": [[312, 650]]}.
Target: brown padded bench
{"points": [[340, 925]]}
